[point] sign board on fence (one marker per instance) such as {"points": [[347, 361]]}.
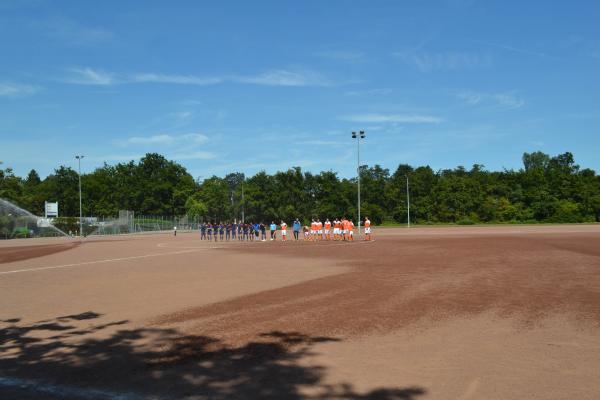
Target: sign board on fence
{"points": [[51, 209]]}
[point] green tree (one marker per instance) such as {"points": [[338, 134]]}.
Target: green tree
{"points": [[535, 160], [63, 187], [195, 208]]}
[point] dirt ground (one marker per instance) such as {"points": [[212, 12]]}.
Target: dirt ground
{"points": [[505, 312]]}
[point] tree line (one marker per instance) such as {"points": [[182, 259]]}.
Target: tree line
{"points": [[545, 189]]}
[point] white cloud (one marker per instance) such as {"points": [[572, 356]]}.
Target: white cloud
{"points": [[344, 55], [512, 48], [452, 61], [369, 92], [280, 77], [174, 147], [149, 140], [171, 155], [115, 157], [470, 98], [182, 115], [190, 139], [321, 143], [504, 100], [176, 79], [193, 155], [70, 32], [8, 89], [181, 118], [508, 100], [89, 76], [399, 118]]}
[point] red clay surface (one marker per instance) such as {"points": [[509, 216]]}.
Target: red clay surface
{"points": [[17, 253], [474, 312]]}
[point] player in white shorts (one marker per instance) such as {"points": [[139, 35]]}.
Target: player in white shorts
{"points": [[319, 229], [327, 230], [336, 229], [283, 231], [367, 228], [345, 228]]}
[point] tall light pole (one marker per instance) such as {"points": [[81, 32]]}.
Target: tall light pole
{"points": [[79, 157], [358, 136], [407, 204], [243, 202]]}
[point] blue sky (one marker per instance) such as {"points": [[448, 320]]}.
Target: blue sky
{"points": [[245, 86]]}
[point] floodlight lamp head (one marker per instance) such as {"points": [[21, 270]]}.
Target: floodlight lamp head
{"points": [[353, 135], [362, 134]]}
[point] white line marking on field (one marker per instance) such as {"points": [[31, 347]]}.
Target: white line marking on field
{"points": [[232, 244], [97, 261], [29, 386], [166, 246]]}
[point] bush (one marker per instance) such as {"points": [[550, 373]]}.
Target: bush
{"points": [[566, 211]]}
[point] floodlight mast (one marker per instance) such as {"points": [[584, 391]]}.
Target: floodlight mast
{"points": [[407, 203], [358, 136], [243, 202], [79, 157]]}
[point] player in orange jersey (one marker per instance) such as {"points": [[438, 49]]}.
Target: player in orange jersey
{"points": [[344, 228], [313, 229], [327, 230], [367, 228], [283, 231], [337, 229], [319, 229], [350, 230]]}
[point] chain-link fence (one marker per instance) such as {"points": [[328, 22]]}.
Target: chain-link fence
{"points": [[18, 223], [127, 222]]}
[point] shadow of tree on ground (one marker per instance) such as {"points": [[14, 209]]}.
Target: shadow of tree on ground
{"points": [[163, 363]]}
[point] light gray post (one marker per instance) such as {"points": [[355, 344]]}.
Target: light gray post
{"points": [[243, 202], [358, 136], [79, 157], [407, 203], [358, 174]]}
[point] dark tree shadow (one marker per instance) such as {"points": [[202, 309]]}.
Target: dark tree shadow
{"points": [[163, 363]]}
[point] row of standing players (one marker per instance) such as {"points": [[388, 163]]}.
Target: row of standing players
{"points": [[338, 229]]}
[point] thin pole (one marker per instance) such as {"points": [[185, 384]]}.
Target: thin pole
{"points": [[80, 211], [358, 174], [243, 202], [407, 203]]}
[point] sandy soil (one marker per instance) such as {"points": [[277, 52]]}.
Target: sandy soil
{"points": [[440, 313]]}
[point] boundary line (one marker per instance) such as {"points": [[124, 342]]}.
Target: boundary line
{"points": [[232, 244], [189, 249], [98, 261]]}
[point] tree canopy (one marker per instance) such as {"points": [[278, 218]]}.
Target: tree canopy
{"points": [[546, 189]]}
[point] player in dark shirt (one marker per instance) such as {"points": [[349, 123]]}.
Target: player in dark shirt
{"points": [[263, 232], [246, 228]]}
